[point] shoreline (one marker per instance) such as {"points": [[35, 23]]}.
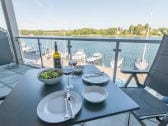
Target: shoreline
{"points": [[93, 35]]}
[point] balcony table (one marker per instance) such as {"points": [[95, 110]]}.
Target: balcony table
{"points": [[19, 108]]}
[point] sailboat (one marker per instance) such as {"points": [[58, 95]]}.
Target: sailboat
{"points": [[142, 64], [119, 62]]}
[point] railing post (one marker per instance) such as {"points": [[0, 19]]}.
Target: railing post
{"points": [[117, 50], [69, 49], [39, 45]]}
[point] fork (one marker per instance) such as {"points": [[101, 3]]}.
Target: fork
{"points": [[66, 105]]}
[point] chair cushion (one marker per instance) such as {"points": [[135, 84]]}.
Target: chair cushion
{"points": [[149, 105]]}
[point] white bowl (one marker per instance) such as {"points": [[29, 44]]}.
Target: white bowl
{"points": [[50, 81], [78, 69], [94, 94]]}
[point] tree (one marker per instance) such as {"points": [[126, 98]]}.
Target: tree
{"points": [[111, 31], [125, 32], [154, 32], [131, 29], [164, 30]]}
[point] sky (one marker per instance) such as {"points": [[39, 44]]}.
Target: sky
{"points": [[73, 14]]}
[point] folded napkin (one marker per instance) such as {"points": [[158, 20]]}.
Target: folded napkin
{"points": [[90, 75], [97, 77]]}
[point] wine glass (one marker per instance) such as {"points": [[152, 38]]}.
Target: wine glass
{"points": [[67, 72], [73, 63]]}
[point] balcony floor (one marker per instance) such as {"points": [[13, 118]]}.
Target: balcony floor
{"points": [[9, 78]]}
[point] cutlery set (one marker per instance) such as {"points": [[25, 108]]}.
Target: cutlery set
{"points": [[68, 105]]}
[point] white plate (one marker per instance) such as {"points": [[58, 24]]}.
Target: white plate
{"points": [[95, 78], [51, 108], [94, 94]]}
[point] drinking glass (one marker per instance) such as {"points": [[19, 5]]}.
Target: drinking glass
{"points": [[67, 72], [73, 63]]}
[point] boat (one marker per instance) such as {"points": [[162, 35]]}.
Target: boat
{"points": [[142, 64], [79, 55], [95, 58], [119, 62], [25, 48]]}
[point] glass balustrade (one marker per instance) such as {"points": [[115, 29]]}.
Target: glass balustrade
{"points": [[100, 52]]}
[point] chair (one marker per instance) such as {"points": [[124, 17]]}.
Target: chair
{"points": [[157, 79], [6, 55]]}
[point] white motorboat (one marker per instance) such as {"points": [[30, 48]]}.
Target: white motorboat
{"points": [[79, 55], [96, 57], [25, 48]]}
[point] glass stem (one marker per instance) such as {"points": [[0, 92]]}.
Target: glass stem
{"points": [[68, 83]]}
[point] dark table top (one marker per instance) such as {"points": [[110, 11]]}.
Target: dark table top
{"points": [[19, 108]]}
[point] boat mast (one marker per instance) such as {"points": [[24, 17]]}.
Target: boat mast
{"points": [[64, 46], [144, 51], [146, 37]]}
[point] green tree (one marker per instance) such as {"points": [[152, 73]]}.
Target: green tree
{"points": [[155, 32], [164, 30], [111, 31], [131, 29]]}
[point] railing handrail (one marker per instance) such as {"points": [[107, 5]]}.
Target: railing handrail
{"points": [[107, 39]]}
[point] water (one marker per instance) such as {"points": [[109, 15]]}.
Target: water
{"points": [[130, 51]]}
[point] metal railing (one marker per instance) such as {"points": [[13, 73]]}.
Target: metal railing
{"points": [[96, 39]]}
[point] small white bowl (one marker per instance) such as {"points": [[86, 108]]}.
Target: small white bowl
{"points": [[94, 94], [78, 69], [50, 81]]}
